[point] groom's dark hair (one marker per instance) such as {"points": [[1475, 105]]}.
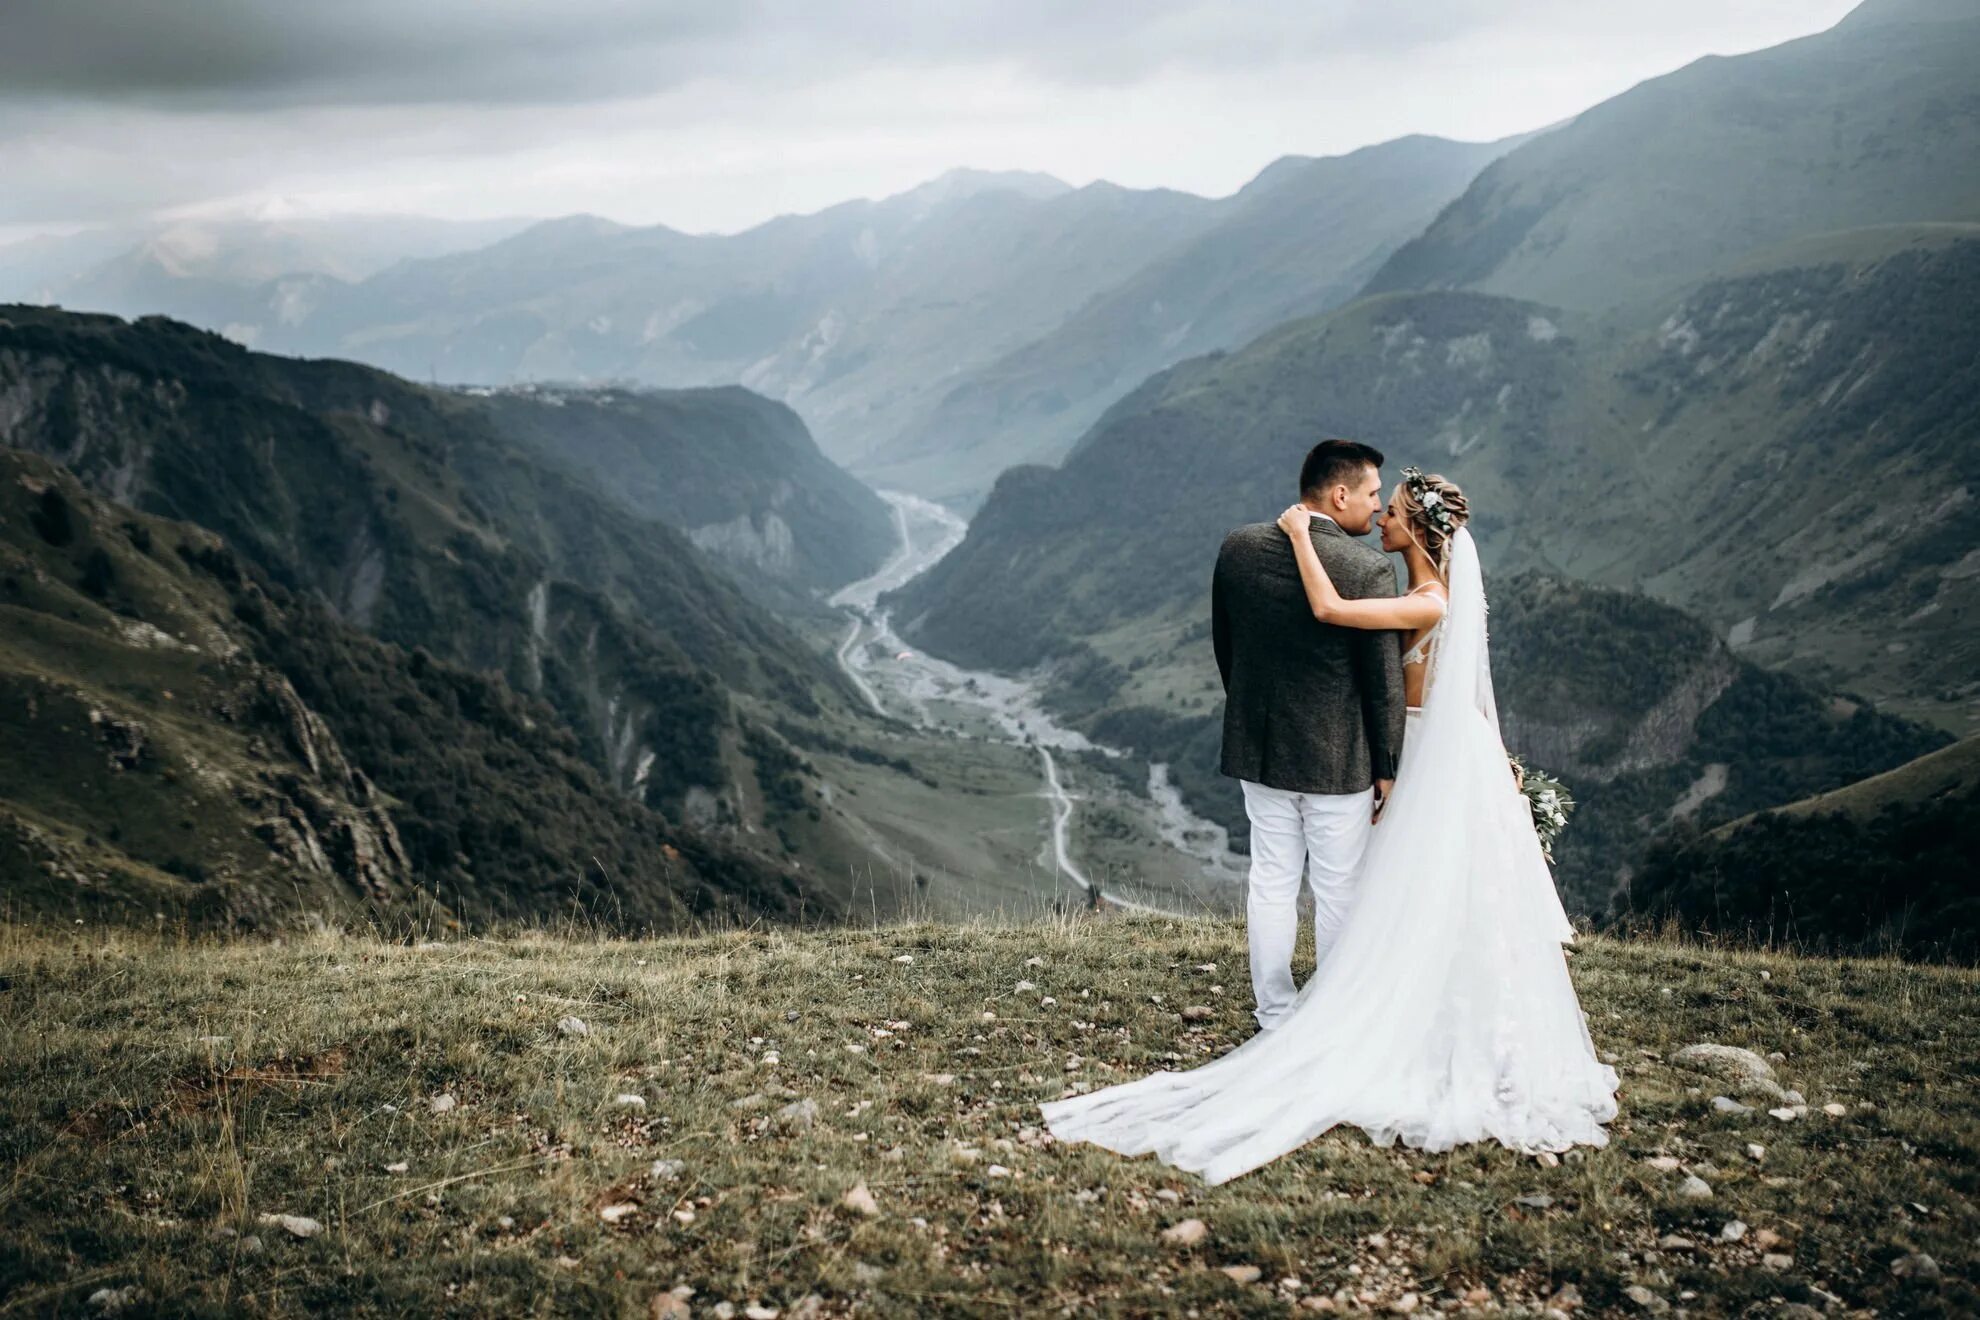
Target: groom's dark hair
{"points": [[1334, 463]]}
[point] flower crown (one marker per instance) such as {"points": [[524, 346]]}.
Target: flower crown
{"points": [[1435, 510]]}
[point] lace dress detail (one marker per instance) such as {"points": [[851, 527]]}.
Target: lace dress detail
{"points": [[1420, 653]]}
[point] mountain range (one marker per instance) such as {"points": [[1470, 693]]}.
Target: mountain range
{"points": [[1703, 358], [1777, 442], [928, 339], [364, 534]]}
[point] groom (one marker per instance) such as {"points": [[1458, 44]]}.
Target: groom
{"points": [[1313, 713]]}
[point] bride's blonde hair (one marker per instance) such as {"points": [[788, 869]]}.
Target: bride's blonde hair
{"points": [[1434, 508]]}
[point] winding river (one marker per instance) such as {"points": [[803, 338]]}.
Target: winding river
{"points": [[937, 696]]}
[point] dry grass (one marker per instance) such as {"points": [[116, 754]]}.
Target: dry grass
{"points": [[138, 1154]]}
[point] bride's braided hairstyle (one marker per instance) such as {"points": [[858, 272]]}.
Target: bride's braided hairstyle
{"points": [[1435, 508]]}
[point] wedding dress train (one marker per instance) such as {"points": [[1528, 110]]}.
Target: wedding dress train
{"points": [[1444, 1013]]}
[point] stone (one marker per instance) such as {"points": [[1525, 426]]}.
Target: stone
{"points": [[753, 1101], [759, 1311], [1197, 1013], [1566, 1297], [1734, 1230], [666, 1170], [1663, 1163], [1675, 1242], [1725, 1104], [1777, 1261], [669, 1307], [1917, 1265], [1646, 1299], [1536, 1201], [296, 1225], [1785, 1113], [1765, 1239], [1834, 1110], [1243, 1274], [613, 1214], [572, 1026], [399, 1166], [1755, 1151], [1406, 1303], [109, 1301], [1695, 1188], [1034, 962], [860, 1201], [442, 1103], [797, 1116], [629, 1100], [1725, 1061], [1024, 986], [1188, 1233]]}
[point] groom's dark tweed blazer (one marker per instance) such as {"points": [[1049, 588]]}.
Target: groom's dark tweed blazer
{"points": [[1309, 707]]}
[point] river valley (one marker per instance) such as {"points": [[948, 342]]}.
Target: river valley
{"points": [[1155, 855]]}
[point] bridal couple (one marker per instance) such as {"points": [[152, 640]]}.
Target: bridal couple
{"points": [[1362, 727]]}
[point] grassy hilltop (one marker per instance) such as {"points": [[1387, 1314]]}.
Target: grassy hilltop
{"points": [[843, 1121]]}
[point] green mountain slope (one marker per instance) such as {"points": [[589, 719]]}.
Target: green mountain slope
{"points": [[1789, 454], [185, 737], [853, 314], [408, 515], [1298, 239], [736, 471], [1884, 864], [1102, 566], [1873, 122]]}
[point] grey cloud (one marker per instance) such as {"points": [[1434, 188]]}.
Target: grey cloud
{"points": [[211, 54]]}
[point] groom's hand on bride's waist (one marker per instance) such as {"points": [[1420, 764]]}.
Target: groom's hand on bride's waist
{"points": [[1382, 787]]}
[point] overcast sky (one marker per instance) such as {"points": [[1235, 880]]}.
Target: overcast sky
{"points": [[715, 116]]}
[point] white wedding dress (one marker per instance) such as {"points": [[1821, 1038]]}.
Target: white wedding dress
{"points": [[1444, 1013]]}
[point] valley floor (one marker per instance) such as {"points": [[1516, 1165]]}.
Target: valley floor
{"points": [[829, 1122]]}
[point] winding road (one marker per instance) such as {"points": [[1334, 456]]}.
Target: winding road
{"points": [[1009, 706]]}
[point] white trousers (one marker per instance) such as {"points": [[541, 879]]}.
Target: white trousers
{"points": [[1319, 836]]}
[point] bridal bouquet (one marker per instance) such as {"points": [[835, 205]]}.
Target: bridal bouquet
{"points": [[1549, 801]]}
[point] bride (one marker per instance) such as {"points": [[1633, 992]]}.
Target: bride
{"points": [[1443, 1013]]}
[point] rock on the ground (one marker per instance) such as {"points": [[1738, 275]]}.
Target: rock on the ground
{"points": [[1243, 1273], [1727, 1061], [1646, 1299], [112, 1300], [797, 1116], [572, 1026], [1748, 1071], [860, 1200], [297, 1225], [1725, 1104], [1695, 1188], [667, 1170], [1188, 1233], [442, 1103], [1917, 1265]]}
